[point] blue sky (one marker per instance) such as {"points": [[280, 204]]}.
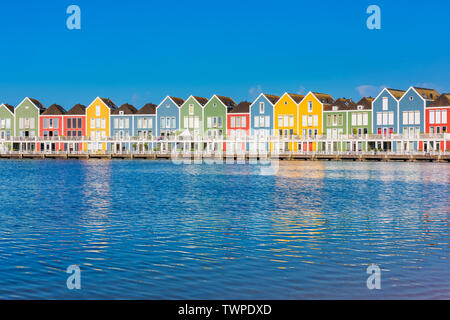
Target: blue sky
{"points": [[140, 51]]}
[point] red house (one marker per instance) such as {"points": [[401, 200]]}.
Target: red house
{"points": [[437, 119], [50, 126], [75, 127], [238, 125]]}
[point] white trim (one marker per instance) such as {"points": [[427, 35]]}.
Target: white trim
{"points": [[4, 105]]}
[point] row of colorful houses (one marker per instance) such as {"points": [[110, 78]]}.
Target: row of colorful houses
{"points": [[411, 112]]}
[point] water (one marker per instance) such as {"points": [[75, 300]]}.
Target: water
{"points": [[155, 230]]}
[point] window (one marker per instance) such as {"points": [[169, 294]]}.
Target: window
{"points": [[280, 121], [291, 121], [69, 123], [50, 123], [256, 121], [310, 121], [174, 125], [238, 122], [316, 120], [56, 124], [79, 123], [310, 106], [305, 121], [97, 111], [92, 123], [267, 122], [261, 107], [219, 122], [354, 121], [103, 123], [444, 116], [365, 119], [285, 120], [244, 122], [45, 123], [385, 103], [432, 113], [191, 109], [167, 123], [416, 117], [360, 119], [163, 122]]}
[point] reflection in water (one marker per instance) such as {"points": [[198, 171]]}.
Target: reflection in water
{"points": [[152, 230]]}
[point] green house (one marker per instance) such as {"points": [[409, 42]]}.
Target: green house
{"points": [[335, 122], [27, 118], [215, 116], [6, 126], [360, 122], [191, 115]]}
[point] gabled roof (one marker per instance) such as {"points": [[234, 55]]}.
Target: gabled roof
{"points": [[296, 97], [366, 103], [38, 104], [229, 102], [178, 101], [126, 109], [398, 94], [54, 110], [427, 94], [109, 103], [149, 108], [442, 101], [273, 99], [340, 104], [9, 107], [324, 98], [242, 107], [77, 109], [201, 100]]}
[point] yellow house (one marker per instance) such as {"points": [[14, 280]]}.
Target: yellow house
{"points": [[286, 119], [310, 117], [98, 122]]}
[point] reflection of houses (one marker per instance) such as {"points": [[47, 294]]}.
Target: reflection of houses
{"points": [[51, 124]]}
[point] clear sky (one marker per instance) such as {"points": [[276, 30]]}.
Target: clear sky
{"points": [[140, 51]]}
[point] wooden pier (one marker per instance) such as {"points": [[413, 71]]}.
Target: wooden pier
{"points": [[381, 157]]}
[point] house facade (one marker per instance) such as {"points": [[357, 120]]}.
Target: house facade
{"points": [[311, 118], [74, 127], [122, 121], [6, 126], [335, 122], [51, 124], [412, 114], [215, 116], [238, 126], [360, 122], [286, 119], [145, 121], [385, 109], [27, 121], [437, 120], [168, 116], [191, 115], [262, 110], [98, 126]]}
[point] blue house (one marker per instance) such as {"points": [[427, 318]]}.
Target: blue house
{"points": [[262, 115], [412, 114], [122, 121], [145, 121], [168, 116], [385, 115]]}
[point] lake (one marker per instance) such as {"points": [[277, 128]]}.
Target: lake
{"points": [[158, 230]]}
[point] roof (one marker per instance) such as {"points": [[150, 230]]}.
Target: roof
{"points": [[229, 102], [126, 109], [340, 104], [54, 110], [109, 103], [427, 94], [10, 107], [324, 98], [149, 108], [201, 100], [296, 97], [38, 104], [442, 101], [178, 101], [77, 109], [273, 99], [242, 107], [366, 103], [396, 93]]}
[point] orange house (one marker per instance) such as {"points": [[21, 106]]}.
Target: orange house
{"points": [[310, 118], [98, 115], [286, 119]]}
